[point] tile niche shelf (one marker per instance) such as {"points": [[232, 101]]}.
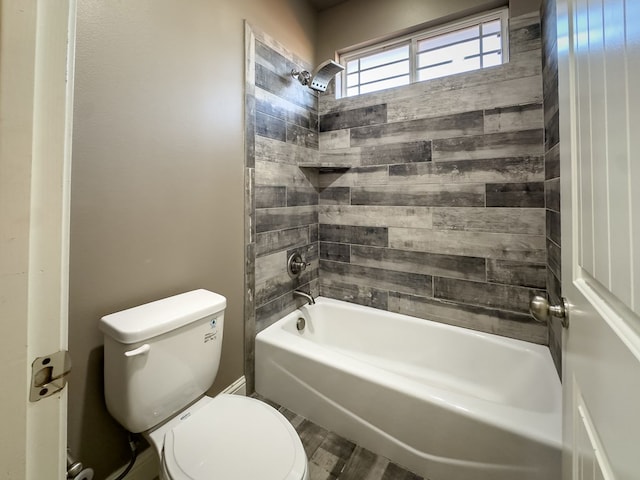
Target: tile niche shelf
{"points": [[325, 166]]}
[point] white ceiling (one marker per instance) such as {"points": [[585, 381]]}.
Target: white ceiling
{"points": [[324, 4]]}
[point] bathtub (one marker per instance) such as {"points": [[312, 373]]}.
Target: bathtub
{"points": [[447, 403]]}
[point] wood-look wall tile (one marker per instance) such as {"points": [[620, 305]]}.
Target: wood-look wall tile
{"points": [[271, 312], [376, 175], [529, 221], [281, 283], [268, 219], [554, 258], [272, 73], [334, 139], [270, 109], [349, 157], [552, 194], [408, 152], [533, 275], [503, 246], [552, 131], [279, 174], [250, 131], [337, 252], [310, 253], [524, 20], [282, 85], [307, 120], [521, 143], [511, 169], [275, 151], [341, 178], [379, 278], [314, 233], [467, 123], [269, 58], [526, 195], [429, 195], [374, 236], [525, 38], [552, 162], [509, 119], [503, 297], [349, 292], [269, 196], [269, 266], [300, 196], [301, 136], [335, 196], [454, 266], [249, 206], [554, 288], [270, 242], [375, 216], [490, 320], [553, 227], [483, 95], [270, 127], [355, 176], [276, 106], [356, 117]]}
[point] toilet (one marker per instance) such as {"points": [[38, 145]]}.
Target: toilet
{"points": [[159, 360]]}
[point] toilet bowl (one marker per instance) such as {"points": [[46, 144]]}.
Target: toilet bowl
{"points": [[229, 437], [160, 359]]}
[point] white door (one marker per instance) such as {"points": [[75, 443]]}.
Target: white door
{"points": [[599, 73], [36, 73]]}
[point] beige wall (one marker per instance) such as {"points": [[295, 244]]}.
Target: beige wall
{"points": [[360, 21], [157, 182]]}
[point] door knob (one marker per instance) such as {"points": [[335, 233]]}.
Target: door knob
{"points": [[542, 311]]}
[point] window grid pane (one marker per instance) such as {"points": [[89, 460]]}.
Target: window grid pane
{"points": [[460, 49]]}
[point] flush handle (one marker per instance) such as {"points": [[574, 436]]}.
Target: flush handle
{"points": [[138, 351]]}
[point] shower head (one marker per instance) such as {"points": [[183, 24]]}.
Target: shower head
{"points": [[321, 75]]}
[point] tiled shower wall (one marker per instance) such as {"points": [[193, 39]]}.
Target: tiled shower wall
{"points": [[552, 170], [442, 215], [281, 199], [434, 204]]}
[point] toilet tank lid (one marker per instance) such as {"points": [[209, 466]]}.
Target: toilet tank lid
{"points": [[152, 319]]}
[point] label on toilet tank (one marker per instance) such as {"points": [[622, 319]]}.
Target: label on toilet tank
{"points": [[212, 334]]}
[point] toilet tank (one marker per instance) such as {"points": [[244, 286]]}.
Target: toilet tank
{"points": [[161, 356]]}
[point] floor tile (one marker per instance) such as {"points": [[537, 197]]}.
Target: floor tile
{"points": [[332, 457]]}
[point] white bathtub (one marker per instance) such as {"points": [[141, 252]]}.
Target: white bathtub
{"points": [[446, 402]]}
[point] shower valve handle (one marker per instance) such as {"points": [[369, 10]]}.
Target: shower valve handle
{"points": [[296, 264]]}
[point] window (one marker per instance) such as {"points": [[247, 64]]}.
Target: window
{"points": [[470, 44]]}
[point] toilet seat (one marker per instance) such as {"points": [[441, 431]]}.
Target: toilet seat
{"points": [[234, 437]]}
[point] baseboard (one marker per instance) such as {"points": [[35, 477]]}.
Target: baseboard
{"points": [[239, 387], [145, 468]]}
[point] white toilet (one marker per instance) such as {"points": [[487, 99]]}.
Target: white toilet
{"points": [[159, 360]]}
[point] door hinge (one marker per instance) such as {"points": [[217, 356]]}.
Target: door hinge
{"points": [[49, 374]]}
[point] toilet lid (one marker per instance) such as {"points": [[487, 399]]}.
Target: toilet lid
{"points": [[234, 437]]}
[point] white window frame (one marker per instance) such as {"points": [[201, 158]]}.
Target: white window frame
{"points": [[412, 40]]}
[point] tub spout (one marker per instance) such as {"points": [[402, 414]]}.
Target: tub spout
{"points": [[305, 295]]}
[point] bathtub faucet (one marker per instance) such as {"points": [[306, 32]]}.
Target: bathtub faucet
{"points": [[305, 295]]}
